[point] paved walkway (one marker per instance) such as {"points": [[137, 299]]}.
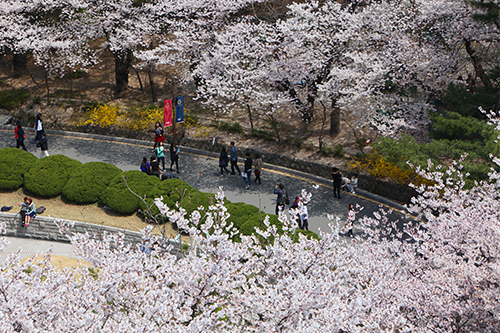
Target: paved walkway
{"points": [[200, 169], [34, 246]]}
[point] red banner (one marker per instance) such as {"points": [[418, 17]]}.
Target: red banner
{"points": [[167, 113]]}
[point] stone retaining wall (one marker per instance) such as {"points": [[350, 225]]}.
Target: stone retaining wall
{"points": [[44, 228], [394, 192]]}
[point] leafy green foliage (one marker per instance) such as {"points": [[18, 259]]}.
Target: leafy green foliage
{"points": [[11, 99], [240, 212], [441, 152], [14, 164], [458, 99], [120, 199], [228, 127], [48, 176], [87, 182]]}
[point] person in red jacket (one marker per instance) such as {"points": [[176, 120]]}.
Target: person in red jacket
{"points": [[20, 136]]}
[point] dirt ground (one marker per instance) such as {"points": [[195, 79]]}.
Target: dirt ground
{"points": [[57, 208]]}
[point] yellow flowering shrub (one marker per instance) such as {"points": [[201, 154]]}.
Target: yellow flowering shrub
{"points": [[141, 119], [377, 166], [102, 115], [135, 119]]}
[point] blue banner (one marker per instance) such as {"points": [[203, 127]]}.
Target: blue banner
{"points": [[179, 109]]}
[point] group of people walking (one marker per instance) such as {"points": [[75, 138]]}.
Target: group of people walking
{"points": [[156, 165], [224, 160], [40, 138], [152, 167]]}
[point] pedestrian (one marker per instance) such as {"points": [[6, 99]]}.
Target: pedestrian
{"points": [[353, 185], [282, 198], [158, 134], [304, 214], [174, 156], [38, 128], [337, 180], [345, 184], [248, 170], [145, 166], [24, 210], [155, 167], [160, 154], [43, 146], [31, 212], [295, 211], [20, 136], [233, 155], [223, 162], [258, 167], [351, 216]]}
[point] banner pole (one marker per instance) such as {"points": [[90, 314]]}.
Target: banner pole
{"points": [[173, 112]]}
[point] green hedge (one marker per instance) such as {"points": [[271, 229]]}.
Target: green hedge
{"points": [[241, 212], [120, 199], [87, 182], [48, 176], [14, 164], [98, 181]]}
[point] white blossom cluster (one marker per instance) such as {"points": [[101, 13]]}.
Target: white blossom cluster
{"points": [[441, 275]]}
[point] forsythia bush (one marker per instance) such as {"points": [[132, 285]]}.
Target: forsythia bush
{"points": [[376, 165], [135, 119], [140, 119], [103, 115]]}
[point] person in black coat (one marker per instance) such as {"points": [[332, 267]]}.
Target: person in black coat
{"points": [[248, 170], [43, 146], [337, 181], [20, 136], [223, 162], [174, 156]]}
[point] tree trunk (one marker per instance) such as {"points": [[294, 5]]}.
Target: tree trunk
{"points": [[334, 119], [250, 117], [152, 83], [19, 62], [123, 61], [151, 80], [476, 61]]}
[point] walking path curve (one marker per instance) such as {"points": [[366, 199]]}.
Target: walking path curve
{"points": [[200, 169]]}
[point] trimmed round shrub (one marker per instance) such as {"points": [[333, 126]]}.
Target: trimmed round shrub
{"points": [[14, 164], [178, 191], [118, 196], [308, 233], [48, 176], [86, 183], [241, 212]]}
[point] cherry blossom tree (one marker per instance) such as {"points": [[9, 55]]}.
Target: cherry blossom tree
{"points": [[445, 278]]}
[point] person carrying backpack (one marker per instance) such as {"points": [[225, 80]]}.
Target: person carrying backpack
{"points": [[282, 198]]}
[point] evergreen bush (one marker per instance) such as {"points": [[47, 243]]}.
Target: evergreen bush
{"points": [[119, 198], [14, 164], [87, 182], [48, 176], [241, 212], [11, 99]]}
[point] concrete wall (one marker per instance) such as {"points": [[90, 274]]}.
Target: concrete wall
{"points": [[44, 228]]}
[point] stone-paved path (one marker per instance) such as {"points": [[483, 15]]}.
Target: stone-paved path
{"points": [[200, 170]]}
